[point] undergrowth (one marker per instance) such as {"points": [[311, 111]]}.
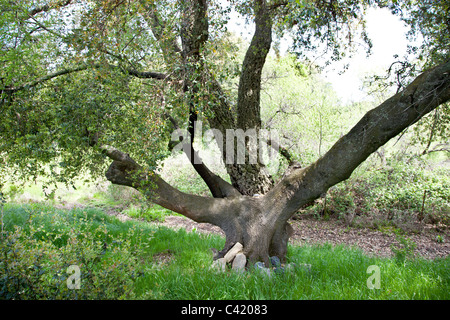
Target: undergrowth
{"points": [[136, 260], [401, 196]]}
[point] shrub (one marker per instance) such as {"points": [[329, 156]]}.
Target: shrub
{"points": [[404, 249], [35, 258], [400, 194]]}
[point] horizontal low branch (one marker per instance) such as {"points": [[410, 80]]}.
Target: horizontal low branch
{"points": [[125, 171], [31, 84], [50, 76], [147, 74]]}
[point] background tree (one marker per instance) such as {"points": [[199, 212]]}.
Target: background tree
{"points": [[88, 81]]}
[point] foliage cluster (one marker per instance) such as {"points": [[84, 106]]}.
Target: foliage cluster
{"points": [[304, 109], [147, 212], [404, 249], [92, 46], [39, 243], [429, 18], [398, 194]]}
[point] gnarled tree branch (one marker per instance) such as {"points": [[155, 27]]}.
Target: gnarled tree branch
{"points": [[378, 126], [125, 171], [219, 188], [248, 104]]}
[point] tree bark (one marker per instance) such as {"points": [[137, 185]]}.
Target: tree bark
{"points": [[253, 178]]}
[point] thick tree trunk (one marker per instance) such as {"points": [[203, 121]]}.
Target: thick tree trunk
{"points": [[250, 179], [261, 223], [249, 226]]}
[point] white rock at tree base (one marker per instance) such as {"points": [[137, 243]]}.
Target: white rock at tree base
{"points": [[239, 262], [237, 248]]}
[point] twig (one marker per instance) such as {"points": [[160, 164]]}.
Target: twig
{"points": [[421, 216]]}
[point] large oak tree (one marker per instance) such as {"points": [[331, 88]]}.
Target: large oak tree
{"points": [[87, 82]]}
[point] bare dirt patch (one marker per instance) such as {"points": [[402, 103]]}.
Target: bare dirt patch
{"points": [[312, 231], [162, 258], [372, 242], [177, 222]]}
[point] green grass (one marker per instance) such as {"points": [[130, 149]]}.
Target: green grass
{"points": [[337, 273], [152, 213], [159, 263]]}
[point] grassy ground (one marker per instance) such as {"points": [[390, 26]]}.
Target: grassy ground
{"points": [[136, 260]]}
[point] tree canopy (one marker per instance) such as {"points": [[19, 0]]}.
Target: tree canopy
{"points": [[75, 69]]}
